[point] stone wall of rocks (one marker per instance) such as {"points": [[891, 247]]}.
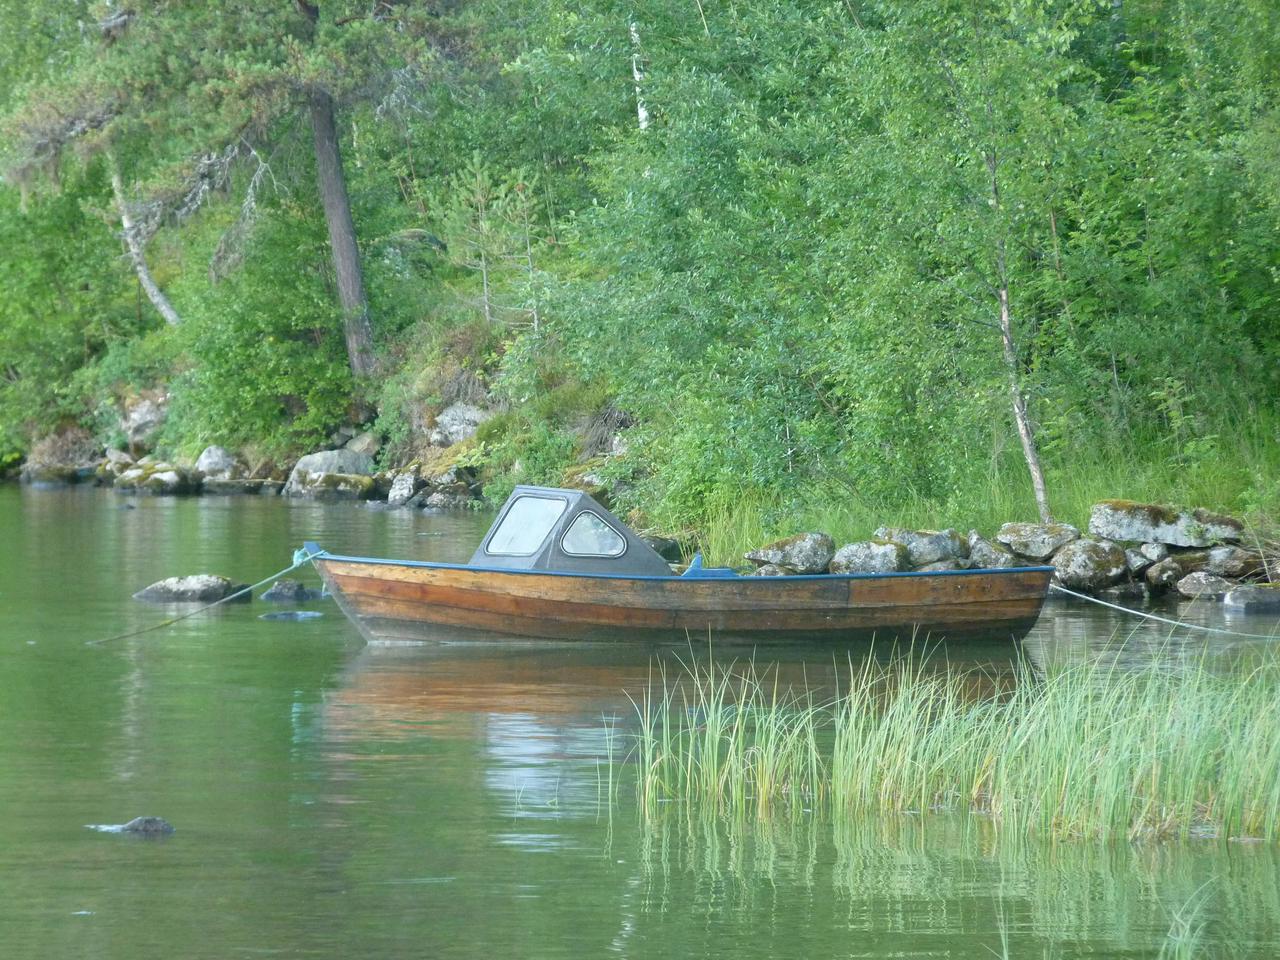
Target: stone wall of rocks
{"points": [[1130, 550]]}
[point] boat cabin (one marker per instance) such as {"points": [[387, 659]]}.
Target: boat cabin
{"points": [[546, 528]]}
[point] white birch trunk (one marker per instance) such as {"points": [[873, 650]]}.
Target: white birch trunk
{"points": [[637, 75], [136, 252]]}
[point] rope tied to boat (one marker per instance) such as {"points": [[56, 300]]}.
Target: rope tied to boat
{"points": [[1172, 623], [301, 557]]}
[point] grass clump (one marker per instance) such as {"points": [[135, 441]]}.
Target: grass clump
{"points": [[1088, 751]]}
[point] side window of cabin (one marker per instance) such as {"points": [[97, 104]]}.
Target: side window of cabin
{"points": [[525, 526], [589, 536]]}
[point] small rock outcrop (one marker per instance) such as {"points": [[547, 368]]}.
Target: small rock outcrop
{"points": [[871, 556], [1036, 541], [331, 475], [457, 422], [1089, 565], [148, 827], [1253, 598], [289, 591], [366, 443], [927, 546], [1203, 586], [1234, 562], [158, 478], [218, 463], [1163, 574], [403, 486], [803, 553], [1156, 523], [199, 588], [985, 555], [774, 570]]}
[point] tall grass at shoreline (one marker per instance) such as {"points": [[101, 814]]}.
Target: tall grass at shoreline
{"points": [[1087, 752]]}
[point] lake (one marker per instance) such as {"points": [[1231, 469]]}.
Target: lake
{"points": [[334, 799]]}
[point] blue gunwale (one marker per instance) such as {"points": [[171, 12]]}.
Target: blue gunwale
{"points": [[316, 552]]}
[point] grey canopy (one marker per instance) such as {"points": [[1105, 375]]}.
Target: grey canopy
{"points": [[545, 528]]}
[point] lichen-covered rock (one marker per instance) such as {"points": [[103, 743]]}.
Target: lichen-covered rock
{"points": [[1253, 598], [985, 555], [148, 827], [1136, 561], [457, 422], [803, 553], [366, 443], [403, 486], [1155, 552], [1089, 565], [942, 566], [445, 500], [158, 478], [871, 556], [1163, 574], [313, 476], [1232, 561], [774, 570], [1037, 541], [1203, 586], [289, 591], [218, 463], [255, 485], [199, 588], [1156, 523], [926, 546]]}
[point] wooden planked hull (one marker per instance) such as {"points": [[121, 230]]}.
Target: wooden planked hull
{"points": [[403, 601]]}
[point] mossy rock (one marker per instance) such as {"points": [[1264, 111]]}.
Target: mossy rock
{"points": [[1127, 520]]}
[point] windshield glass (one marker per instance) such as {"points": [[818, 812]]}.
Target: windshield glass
{"points": [[526, 526], [590, 536]]}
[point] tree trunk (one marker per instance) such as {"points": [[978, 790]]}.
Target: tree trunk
{"points": [[342, 237], [1025, 431], [637, 75], [134, 243]]}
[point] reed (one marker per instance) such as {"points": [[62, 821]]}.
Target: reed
{"points": [[1088, 751]]}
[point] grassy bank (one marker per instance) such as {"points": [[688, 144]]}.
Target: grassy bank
{"points": [[1086, 752]]}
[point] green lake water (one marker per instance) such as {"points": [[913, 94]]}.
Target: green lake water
{"points": [[333, 799]]}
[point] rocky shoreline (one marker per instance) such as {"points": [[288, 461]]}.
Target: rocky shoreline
{"points": [[1129, 551]]}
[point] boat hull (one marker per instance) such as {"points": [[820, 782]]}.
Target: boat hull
{"points": [[400, 601]]}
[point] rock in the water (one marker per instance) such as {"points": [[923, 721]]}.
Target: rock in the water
{"points": [[871, 556], [803, 553], [1234, 562], [1155, 523], [1089, 565], [159, 478], [289, 591], [310, 476], [1253, 598], [45, 476], [985, 555], [268, 488], [457, 422], [403, 486], [444, 500], [292, 615], [774, 570], [926, 546], [217, 463], [1129, 590], [200, 588], [1163, 574], [1203, 586], [1036, 541], [148, 827]]}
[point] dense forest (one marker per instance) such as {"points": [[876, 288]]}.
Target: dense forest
{"points": [[752, 261]]}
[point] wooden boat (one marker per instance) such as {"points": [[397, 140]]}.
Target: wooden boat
{"points": [[556, 565]]}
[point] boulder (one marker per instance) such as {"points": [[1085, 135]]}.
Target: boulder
{"points": [[217, 463], [1089, 565], [331, 475], [289, 591], [366, 443], [158, 478], [1136, 561], [1156, 523], [926, 546], [457, 422], [774, 570], [403, 486], [117, 458], [199, 588], [1232, 561], [803, 553], [142, 419], [985, 555], [1037, 541], [442, 500], [44, 476], [1163, 574], [269, 488], [942, 566], [871, 556], [148, 827], [1253, 598], [1155, 552], [1203, 586], [1127, 590]]}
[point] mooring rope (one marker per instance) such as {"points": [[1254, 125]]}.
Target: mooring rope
{"points": [[300, 558], [1172, 623]]}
